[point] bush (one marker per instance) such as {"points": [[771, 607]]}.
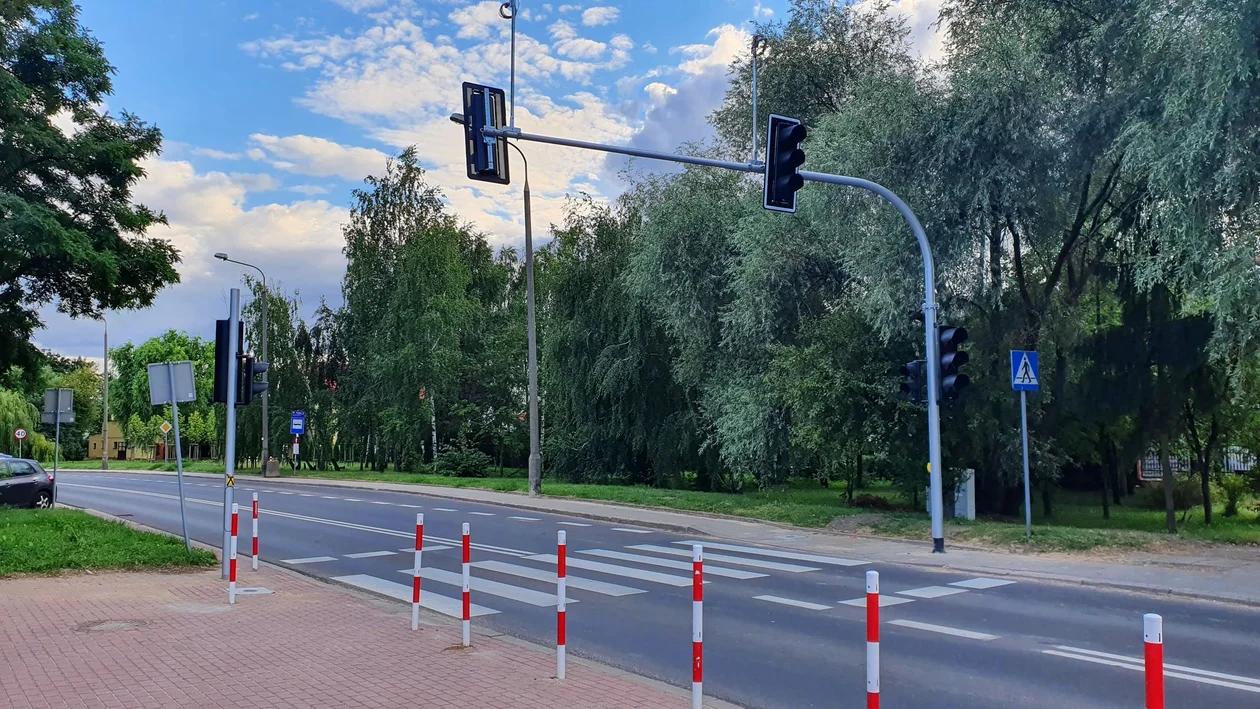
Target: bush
{"points": [[466, 463], [1186, 494], [1234, 487], [874, 502]]}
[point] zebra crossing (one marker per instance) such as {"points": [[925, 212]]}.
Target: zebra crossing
{"points": [[529, 578]]}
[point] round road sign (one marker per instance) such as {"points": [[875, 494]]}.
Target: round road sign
{"points": [[20, 434]]}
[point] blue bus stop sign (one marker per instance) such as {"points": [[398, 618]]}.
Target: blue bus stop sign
{"points": [[297, 423]]}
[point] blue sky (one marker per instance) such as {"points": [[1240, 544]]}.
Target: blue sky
{"points": [[273, 111]]}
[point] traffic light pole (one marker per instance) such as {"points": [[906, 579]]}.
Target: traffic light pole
{"points": [[229, 445], [929, 278]]}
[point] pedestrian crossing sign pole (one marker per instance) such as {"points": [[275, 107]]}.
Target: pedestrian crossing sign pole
{"points": [[1025, 377]]}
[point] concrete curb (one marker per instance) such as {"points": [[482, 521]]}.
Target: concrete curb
{"points": [[611, 517], [442, 620]]}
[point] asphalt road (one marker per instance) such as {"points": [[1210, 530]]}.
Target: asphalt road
{"points": [[778, 632]]}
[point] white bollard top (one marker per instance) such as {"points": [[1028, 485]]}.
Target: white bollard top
{"points": [[1153, 628], [561, 538], [697, 552], [419, 518], [236, 509], [255, 497], [465, 528], [872, 581]]}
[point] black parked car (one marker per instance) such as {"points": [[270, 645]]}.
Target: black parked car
{"points": [[24, 483]]}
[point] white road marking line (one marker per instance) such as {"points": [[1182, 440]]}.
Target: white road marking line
{"points": [[1167, 666], [525, 519], [614, 570], [452, 607], [931, 592], [631, 531], [981, 583], [308, 560], [792, 602], [494, 588], [370, 554], [578, 582], [377, 502], [444, 509], [884, 601], [305, 494], [672, 564], [482, 514], [347, 499], [795, 556], [944, 630], [573, 524], [319, 520], [285, 493], [328, 497], [1135, 664], [427, 547], [413, 507], [755, 563]]}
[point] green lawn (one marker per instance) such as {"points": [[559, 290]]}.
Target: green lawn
{"points": [[46, 541], [190, 466]]}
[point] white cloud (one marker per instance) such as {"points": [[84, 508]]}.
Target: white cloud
{"points": [[319, 157], [569, 44], [595, 16], [250, 17], [569, 8], [357, 6], [308, 190], [730, 42], [921, 16], [476, 21], [215, 154], [659, 92], [762, 12], [649, 48]]}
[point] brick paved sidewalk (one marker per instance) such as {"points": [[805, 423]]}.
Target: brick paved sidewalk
{"points": [[168, 640]]}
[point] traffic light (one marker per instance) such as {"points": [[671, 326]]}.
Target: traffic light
{"points": [[783, 157], [953, 381], [915, 374], [486, 156], [247, 386], [222, 355]]}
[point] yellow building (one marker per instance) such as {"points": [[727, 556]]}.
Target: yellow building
{"points": [[117, 446]]}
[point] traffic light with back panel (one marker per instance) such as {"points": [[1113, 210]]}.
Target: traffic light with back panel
{"points": [[952, 360], [248, 387], [783, 157], [222, 355], [913, 374]]}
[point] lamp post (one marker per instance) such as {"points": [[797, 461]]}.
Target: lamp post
{"points": [[105, 400], [266, 448], [535, 454]]}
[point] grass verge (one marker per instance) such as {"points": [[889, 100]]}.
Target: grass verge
{"points": [[47, 541]]}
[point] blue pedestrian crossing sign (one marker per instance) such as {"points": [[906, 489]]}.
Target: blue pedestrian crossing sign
{"points": [[1025, 371], [297, 423]]}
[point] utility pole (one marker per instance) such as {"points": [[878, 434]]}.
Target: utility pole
{"points": [[229, 445]]}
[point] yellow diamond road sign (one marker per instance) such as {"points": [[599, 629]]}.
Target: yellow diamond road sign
{"points": [[166, 427]]}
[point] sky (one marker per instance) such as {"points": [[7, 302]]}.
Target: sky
{"points": [[273, 111]]}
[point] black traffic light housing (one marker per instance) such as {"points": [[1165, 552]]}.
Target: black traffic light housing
{"points": [[783, 157], [914, 379], [248, 387], [487, 157], [953, 381], [222, 355]]}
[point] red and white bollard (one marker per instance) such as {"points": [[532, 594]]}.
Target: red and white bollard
{"points": [[467, 637], [415, 573], [872, 640], [561, 573], [254, 563], [697, 626], [1153, 635], [236, 512]]}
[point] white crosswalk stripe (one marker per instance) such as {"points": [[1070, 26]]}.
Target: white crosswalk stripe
{"points": [[777, 554], [615, 570], [578, 582], [726, 559], [494, 588], [672, 564], [445, 605]]}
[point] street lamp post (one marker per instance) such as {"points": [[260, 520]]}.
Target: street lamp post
{"points": [[266, 448], [105, 400], [535, 453]]}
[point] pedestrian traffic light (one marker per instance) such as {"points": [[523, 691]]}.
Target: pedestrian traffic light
{"points": [[222, 357], [914, 374], [953, 381], [486, 155], [783, 157], [248, 387]]}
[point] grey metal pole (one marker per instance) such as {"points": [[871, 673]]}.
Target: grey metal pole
{"points": [[266, 444], [1023, 430], [932, 345], [105, 401], [56, 444], [229, 446], [531, 335], [179, 457]]}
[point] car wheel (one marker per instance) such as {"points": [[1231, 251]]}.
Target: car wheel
{"points": [[44, 500]]}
